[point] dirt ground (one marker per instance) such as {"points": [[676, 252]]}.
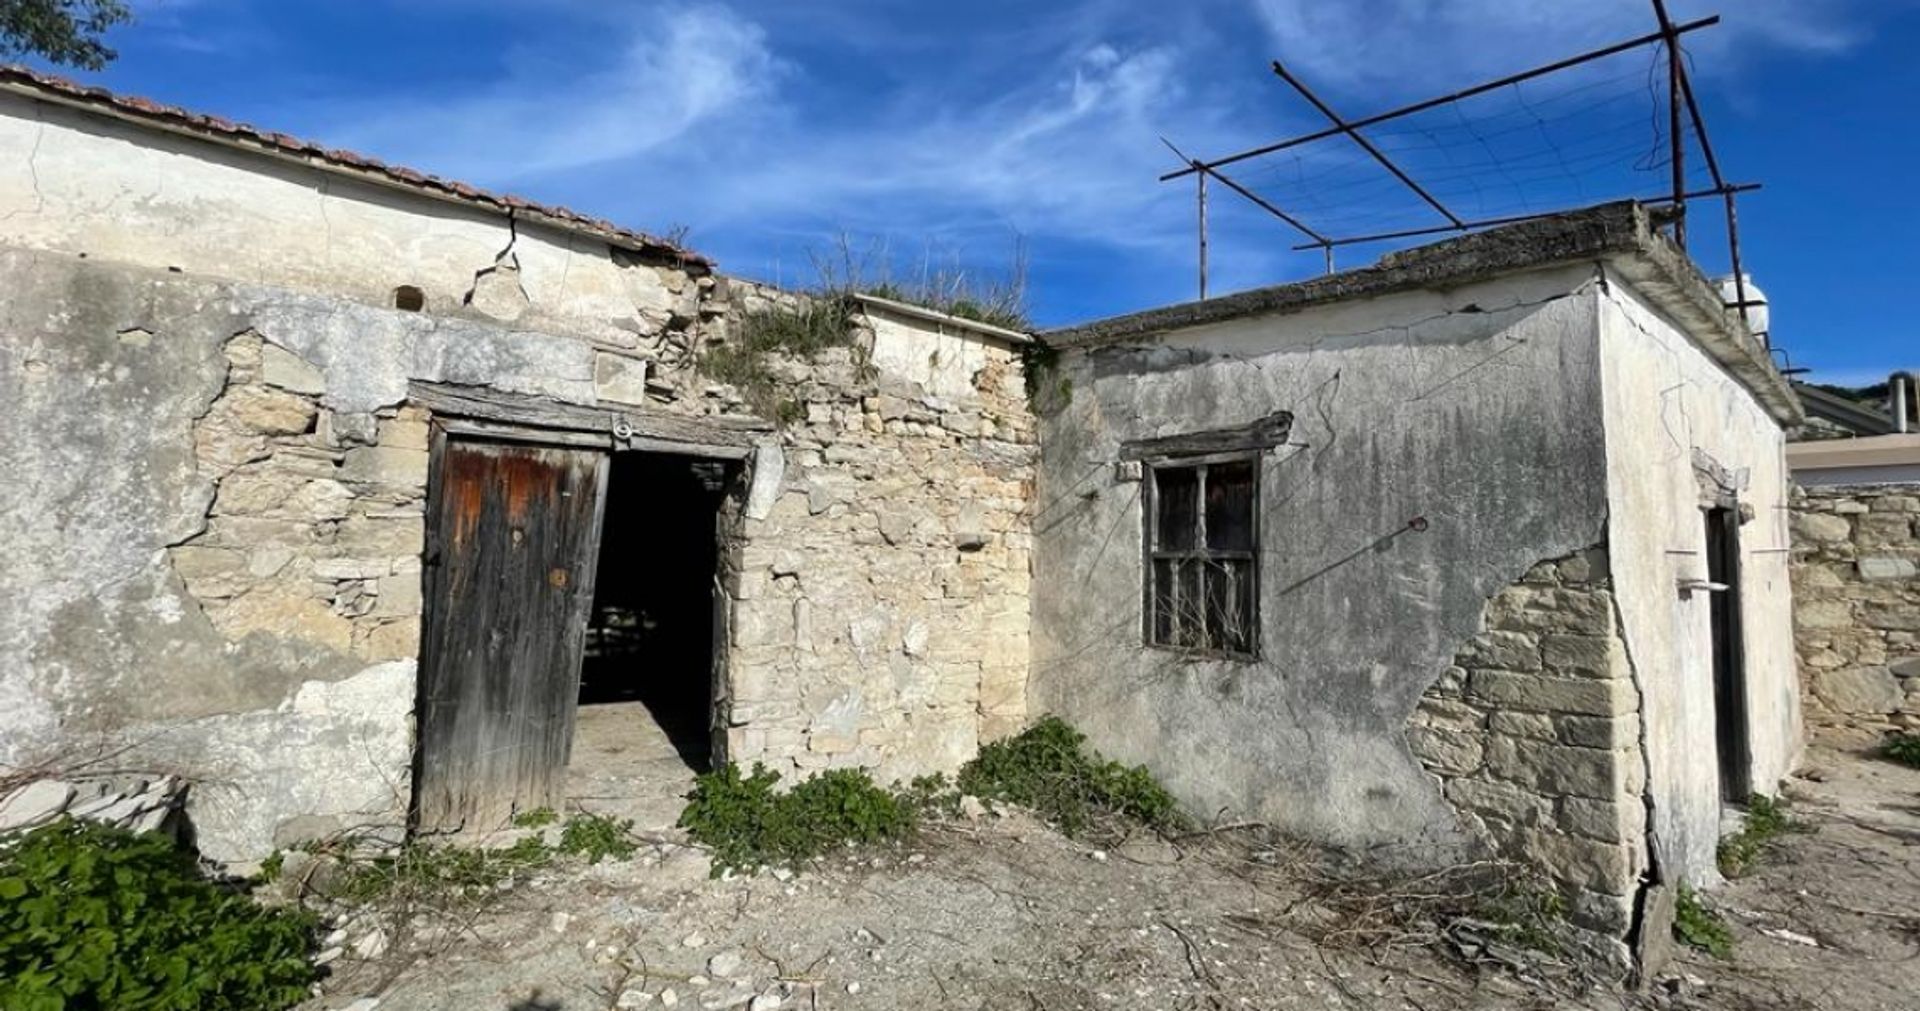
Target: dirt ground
{"points": [[1003, 913]]}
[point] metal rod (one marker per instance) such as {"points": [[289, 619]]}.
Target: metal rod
{"points": [[1478, 89], [1676, 128], [1366, 144], [1258, 200], [1733, 252], [1202, 189], [1514, 219]]}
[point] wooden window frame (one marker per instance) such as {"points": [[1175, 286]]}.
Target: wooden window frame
{"points": [[1152, 552]]}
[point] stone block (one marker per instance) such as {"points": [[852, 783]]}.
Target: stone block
{"points": [[336, 569], [1883, 530], [1861, 690], [1606, 868], [1604, 820], [1536, 726], [618, 379], [393, 640], [1822, 614], [399, 597], [1820, 527], [1598, 731], [1559, 770], [281, 613], [1611, 697], [36, 803], [404, 433], [1444, 751], [384, 465], [383, 536], [1500, 800], [1584, 655], [268, 411], [1883, 569], [836, 728], [1448, 714], [1498, 650], [282, 368], [1900, 617]]}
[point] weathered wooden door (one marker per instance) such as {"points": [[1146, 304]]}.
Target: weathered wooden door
{"points": [[513, 530]]}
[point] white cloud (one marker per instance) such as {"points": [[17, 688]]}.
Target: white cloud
{"points": [[679, 68], [1417, 45]]}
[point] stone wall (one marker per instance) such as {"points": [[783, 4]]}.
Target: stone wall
{"points": [[1534, 734], [881, 605], [1856, 590]]}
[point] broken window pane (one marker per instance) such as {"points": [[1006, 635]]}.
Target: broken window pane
{"points": [[1230, 506], [1177, 491], [1163, 600]]}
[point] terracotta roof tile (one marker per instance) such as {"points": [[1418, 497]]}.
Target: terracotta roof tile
{"points": [[227, 131]]}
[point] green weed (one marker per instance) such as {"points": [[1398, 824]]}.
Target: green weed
{"points": [[749, 823], [1902, 748], [539, 817], [1767, 821], [1696, 925], [597, 838]]}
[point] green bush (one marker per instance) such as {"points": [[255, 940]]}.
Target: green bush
{"points": [[98, 918], [749, 823], [1767, 820], [1046, 768], [1696, 925], [1902, 748]]}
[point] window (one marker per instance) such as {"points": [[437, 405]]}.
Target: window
{"points": [[1202, 555]]}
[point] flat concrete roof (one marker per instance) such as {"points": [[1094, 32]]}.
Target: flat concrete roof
{"points": [[1619, 234], [1866, 451]]}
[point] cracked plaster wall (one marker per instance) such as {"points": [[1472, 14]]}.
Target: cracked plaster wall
{"points": [[1477, 408], [1667, 405]]}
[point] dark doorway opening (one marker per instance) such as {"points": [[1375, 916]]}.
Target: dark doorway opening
{"points": [[646, 680], [1729, 657]]}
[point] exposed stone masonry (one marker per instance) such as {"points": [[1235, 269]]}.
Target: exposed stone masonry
{"points": [[881, 608], [316, 527], [1856, 596], [1534, 734]]}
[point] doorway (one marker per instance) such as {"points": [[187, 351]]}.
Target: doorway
{"points": [[570, 646], [1729, 656], [646, 699]]}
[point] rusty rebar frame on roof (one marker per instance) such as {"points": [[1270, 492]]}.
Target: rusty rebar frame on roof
{"points": [[1681, 102]]}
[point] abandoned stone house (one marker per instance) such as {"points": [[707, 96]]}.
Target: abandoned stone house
{"points": [[363, 499]]}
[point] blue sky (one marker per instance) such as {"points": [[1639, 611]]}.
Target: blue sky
{"points": [[951, 133]]}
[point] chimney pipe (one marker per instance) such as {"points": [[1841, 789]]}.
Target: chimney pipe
{"points": [[1901, 387]]}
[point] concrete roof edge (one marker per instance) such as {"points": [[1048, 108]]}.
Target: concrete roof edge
{"points": [[1619, 234], [1664, 273], [920, 312], [1583, 235]]}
